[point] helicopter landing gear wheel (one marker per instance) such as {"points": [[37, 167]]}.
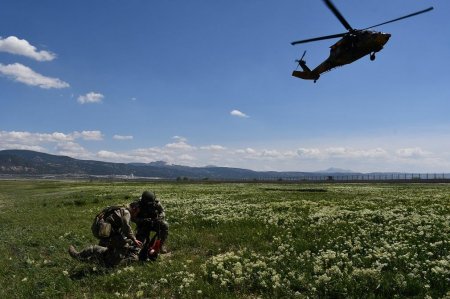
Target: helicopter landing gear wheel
{"points": [[372, 56]]}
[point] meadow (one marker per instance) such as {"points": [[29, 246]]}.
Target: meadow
{"points": [[234, 240]]}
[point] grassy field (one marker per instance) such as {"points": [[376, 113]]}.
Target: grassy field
{"points": [[234, 241]]}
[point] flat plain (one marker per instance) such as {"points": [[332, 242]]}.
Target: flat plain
{"points": [[234, 240]]}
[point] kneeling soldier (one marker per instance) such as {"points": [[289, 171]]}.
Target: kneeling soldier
{"points": [[151, 218]]}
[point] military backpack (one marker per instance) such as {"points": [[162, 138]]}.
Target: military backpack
{"points": [[101, 228]]}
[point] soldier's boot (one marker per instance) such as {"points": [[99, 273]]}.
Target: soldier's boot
{"points": [[163, 248], [163, 233], [73, 252]]}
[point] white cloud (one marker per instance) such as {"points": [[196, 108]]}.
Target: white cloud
{"points": [[123, 137], [23, 74], [148, 151], [179, 144], [55, 136], [56, 142], [33, 138], [186, 158], [341, 152], [179, 138], [5, 146], [36, 141], [213, 147], [248, 150], [344, 152], [415, 152], [265, 154], [112, 156], [309, 152], [271, 153], [14, 45], [89, 135], [91, 97], [143, 155], [239, 114], [72, 149]]}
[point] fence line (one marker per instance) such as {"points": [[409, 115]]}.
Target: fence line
{"points": [[360, 177]]}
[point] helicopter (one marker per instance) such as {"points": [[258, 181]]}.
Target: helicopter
{"points": [[353, 45]]}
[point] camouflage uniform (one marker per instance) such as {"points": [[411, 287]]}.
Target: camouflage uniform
{"points": [[117, 248], [150, 218], [121, 230]]}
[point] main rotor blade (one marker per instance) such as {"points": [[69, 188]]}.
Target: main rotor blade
{"points": [[318, 38], [338, 14], [401, 18]]}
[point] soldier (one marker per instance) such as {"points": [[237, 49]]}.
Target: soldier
{"points": [[121, 246], [151, 218]]}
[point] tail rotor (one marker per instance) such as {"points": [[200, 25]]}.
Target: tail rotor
{"points": [[300, 61], [306, 72]]}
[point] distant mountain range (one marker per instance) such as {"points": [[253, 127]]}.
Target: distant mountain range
{"points": [[31, 163]]}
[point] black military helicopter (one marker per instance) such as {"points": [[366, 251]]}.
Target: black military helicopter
{"points": [[353, 45]]}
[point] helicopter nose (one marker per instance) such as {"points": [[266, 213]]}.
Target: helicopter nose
{"points": [[382, 38]]}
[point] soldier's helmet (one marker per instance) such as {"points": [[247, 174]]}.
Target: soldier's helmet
{"points": [[148, 197]]}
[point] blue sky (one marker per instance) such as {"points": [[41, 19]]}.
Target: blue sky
{"points": [[209, 83]]}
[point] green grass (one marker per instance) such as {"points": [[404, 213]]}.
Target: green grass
{"points": [[234, 241]]}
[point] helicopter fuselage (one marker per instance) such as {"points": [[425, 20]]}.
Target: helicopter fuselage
{"points": [[348, 49], [353, 47]]}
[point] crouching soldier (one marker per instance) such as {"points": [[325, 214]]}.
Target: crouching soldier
{"points": [[118, 243], [151, 217]]}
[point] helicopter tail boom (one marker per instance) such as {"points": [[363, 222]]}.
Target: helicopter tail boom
{"points": [[306, 75]]}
